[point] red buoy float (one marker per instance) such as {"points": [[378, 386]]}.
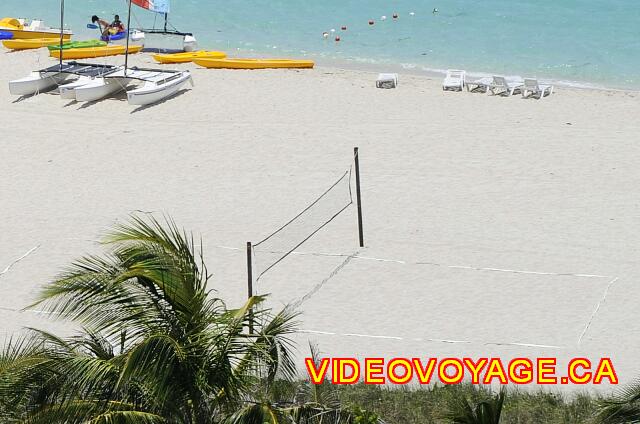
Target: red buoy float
{"points": [[344, 28], [371, 22]]}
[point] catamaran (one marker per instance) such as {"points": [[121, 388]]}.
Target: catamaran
{"points": [[154, 85], [93, 81], [157, 84], [53, 76], [165, 39]]}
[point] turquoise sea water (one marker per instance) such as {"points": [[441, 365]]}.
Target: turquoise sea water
{"points": [[592, 42]]}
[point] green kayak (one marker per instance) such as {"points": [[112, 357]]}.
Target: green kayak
{"points": [[78, 45]]}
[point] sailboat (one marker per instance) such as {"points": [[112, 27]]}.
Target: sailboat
{"points": [[54, 76], [165, 39], [93, 81], [154, 85]]}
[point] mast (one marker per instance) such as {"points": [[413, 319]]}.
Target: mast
{"points": [[61, 30], [166, 15], [126, 51]]}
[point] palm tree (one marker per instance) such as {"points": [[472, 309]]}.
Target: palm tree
{"points": [[624, 408], [156, 345], [484, 412]]}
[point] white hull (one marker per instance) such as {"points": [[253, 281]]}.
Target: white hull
{"points": [[190, 43], [68, 92], [165, 41], [153, 92], [36, 82], [100, 88]]}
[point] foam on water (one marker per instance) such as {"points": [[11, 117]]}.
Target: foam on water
{"points": [[579, 42]]}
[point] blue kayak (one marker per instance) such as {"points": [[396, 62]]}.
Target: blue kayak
{"points": [[5, 35], [114, 37]]}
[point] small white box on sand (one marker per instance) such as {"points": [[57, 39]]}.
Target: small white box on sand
{"points": [[387, 81]]}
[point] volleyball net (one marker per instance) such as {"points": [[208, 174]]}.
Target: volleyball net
{"points": [[271, 251], [280, 244]]}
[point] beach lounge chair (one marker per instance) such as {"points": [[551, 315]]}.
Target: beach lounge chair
{"points": [[387, 81], [454, 80], [479, 86], [532, 88], [502, 86]]}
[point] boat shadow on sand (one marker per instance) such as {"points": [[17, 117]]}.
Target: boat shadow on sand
{"points": [[26, 97], [122, 98], [166, 99]]}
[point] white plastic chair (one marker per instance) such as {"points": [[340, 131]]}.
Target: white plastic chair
{"points": [[503, 86], [387, 81], [532, 88], [454, 80]]}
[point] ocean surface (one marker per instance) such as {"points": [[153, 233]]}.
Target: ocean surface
{"points": [[580, 42]]}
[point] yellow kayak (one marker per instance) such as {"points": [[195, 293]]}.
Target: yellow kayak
{"points": [[30, 43], [252, 63], [89, 52], [188, 56]]}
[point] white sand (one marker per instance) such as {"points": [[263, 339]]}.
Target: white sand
{"points": [[452, 182]]}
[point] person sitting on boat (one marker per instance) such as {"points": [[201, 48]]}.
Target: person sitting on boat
{"points": [[104, 25], [107, 28], [117, 25]]}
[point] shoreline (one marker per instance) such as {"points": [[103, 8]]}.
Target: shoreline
{"points": [[435, 73], [436, 78], [406, 68]]}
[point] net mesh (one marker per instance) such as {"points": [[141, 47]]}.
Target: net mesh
{"points": [[284, 241]]}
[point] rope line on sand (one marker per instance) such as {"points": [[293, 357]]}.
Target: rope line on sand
{"points": [[466, 267], [30, 251], [597, 308], [473, 268], [373, 336]]}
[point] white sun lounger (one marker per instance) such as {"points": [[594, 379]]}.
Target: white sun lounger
{"points": [[454, 80], [480, 85], [532, 88], [502, 85], [387, 81]]}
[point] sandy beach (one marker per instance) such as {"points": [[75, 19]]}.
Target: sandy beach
{"points": [[493, 226]]}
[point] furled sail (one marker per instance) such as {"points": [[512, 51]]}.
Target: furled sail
{"points": [[158, 6]]}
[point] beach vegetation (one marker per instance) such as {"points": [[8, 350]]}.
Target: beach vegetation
{"points": [[154, 344], [622, 408]]}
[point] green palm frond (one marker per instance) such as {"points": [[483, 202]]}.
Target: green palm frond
{"points": [[485, 412], [623, 408], [260, 413], [156, 361], [324, 393], [156, 345], [98, 411]]}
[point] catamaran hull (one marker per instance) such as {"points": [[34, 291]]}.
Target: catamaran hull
{"points": [[160, 41], [152, 92], [99, 89], [35, 83], [68, 91]]}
